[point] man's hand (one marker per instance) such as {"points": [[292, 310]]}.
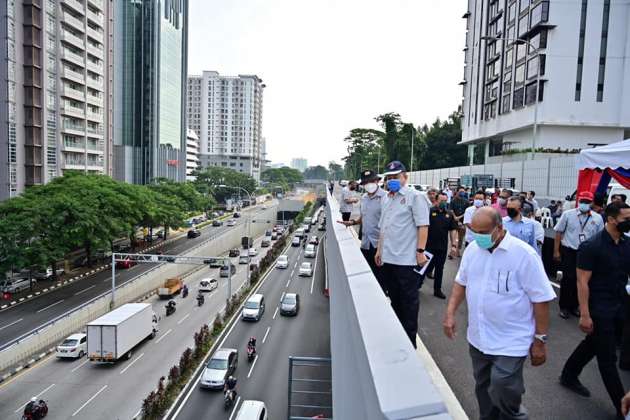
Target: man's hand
{"points": [[377, 257], [538, 353], [556, 255], [449, 326], [346, 223], [421, 259], [625, 404], [586, 324]]}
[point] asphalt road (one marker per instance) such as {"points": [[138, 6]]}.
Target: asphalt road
{"points": [[20, 319], [83, 390], [266, 378]]}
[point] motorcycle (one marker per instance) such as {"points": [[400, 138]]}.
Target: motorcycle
{"points": [[170, 308], [251, 353], [184, 291], [36, 411], [228, 398], [200, 299]]}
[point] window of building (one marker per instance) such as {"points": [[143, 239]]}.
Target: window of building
{"points": [[524, 4], [519, 75], [523, 25], [539, 41], [509, 58], [530, 94], [505, 105], [518, 98], [511, 12], [532, 67], [521, 52], [580, 58], [539, 14], [603, 51]]}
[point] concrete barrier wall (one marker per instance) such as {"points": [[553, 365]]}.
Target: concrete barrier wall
{"points": [[50, 335]]}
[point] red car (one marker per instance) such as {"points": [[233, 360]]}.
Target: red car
{"points": [[126, 263]]}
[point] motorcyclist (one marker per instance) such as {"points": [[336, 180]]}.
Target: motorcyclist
{"points": [[32, 407], [185, 291], [200, 298], [251, 344], [230, 385]]}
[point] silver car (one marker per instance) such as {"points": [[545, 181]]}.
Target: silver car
{"points": [[222, 364]]}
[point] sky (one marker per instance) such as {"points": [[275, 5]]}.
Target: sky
{"points": [[334, 65]]}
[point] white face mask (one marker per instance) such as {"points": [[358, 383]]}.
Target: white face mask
{"points": [[371, 187]]}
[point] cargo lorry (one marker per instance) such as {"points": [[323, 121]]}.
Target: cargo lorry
{"points": [[247, 242], [171, 287], [115, 334]]}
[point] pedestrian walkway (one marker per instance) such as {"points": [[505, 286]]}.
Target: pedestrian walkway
{"points": [[544, 397]]}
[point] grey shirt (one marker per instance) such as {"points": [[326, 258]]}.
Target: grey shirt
{"points": [[574, 223], [345, 195], [401, 215], [370, 216]]}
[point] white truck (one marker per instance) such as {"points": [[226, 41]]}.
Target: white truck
{"points": [[116, 333]]}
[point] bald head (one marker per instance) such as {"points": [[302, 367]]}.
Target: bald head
{"points": [[486, 219]]}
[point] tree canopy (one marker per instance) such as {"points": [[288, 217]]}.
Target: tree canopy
{"points": [[316, 172], [285, 176]]}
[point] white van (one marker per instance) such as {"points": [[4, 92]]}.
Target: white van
{"points": [[309, 252], [252, 410]]}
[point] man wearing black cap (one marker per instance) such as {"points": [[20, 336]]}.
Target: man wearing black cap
{"points": [[370, 214], [404, 227]]}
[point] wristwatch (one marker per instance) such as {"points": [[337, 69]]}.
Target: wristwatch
{"points": [[541, 337], [420, 251]]}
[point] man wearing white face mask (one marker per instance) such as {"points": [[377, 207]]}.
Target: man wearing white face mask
{"points": [[478, 202], [370, 214]]}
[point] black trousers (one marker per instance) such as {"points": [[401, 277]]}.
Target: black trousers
{"points": [[602, 345], [378, 271], [568, 285], [345, 216], [402, 286], [437, 266], [624, 356]]}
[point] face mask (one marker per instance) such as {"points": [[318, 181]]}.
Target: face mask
{"points": [[584, 207], [462, 194], [442, 206], [478, 203], [623, 227], [502, 202], [484, 240], [371, 187], [393, 185], [512, 213]]}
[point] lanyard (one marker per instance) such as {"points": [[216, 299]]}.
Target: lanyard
{"points": [[583, 225]]}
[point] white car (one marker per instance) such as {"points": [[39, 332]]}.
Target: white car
{"points": [[252, 252], [74, 346], [283, 261], [296, 241], [252, 410], [310, 251], [208, 285], [306, 269], [231, 222]]}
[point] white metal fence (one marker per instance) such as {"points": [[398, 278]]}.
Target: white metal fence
{"points": [[553, 177]]}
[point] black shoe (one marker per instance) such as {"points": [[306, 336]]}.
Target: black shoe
{"points": [[439, 294], [575, 313], [563, 314], [576, 386], [624, 367], [430, 275]]}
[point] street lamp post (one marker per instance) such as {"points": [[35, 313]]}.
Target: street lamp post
{"points": [[412, 138], [249, 223], [535, 128]]}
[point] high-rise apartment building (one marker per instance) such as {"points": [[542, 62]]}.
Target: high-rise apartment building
{"points": [[192, 154], [576, 50], [54, 98], [150, 56], [226, 114], [299, 163]]}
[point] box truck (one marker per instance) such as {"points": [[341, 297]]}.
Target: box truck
{"points": [[116, 333], [170, 288]]}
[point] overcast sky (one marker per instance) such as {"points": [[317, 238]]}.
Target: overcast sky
{"points": [[333, 65]]}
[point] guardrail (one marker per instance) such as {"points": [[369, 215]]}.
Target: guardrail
{"points": [[376, 373]]}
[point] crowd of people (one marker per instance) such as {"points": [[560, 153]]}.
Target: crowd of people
{"points": [[498, 237]]}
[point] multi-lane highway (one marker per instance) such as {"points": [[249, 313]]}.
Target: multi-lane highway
{"points": [[20, 319], [83, 390], [279, 337]]}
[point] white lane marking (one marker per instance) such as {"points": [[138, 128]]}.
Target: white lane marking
{"points": [[238, 399], [252, 368], [84, 290], [183, 319], [73, 370], [315, 268], [288, 281], [295, 265], [292, 272], [50, 306], [36, 396], [163, 335], [90, 400], [312, 282], [13, 323], [275, 313], [131, 363], [266, 334]]}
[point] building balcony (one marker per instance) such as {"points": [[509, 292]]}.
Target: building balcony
{"points": [[95, 100], [74, 76], [73, 93], [97, 3], [95, 84], [72, 57], [98, 19], [72, 21], [96, 68], [96, 52], [72, 39], [75, 130], [72, 111], [95, 35], [92, 116], [74, 5], [73, 145]]}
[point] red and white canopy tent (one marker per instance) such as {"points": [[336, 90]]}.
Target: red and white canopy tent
{"points": [[599, 165]]}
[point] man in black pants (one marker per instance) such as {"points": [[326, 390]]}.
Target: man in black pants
{"points": [[603, 266], [442, 222]]}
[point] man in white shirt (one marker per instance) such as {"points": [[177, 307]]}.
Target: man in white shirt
{"points": [[478, 202], [348, 198], [508, 295]]}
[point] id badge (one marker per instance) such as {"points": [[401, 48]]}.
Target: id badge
{"points": [[582, 237]]}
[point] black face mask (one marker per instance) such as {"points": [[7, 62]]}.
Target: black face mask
{"points": [[624, 227], [512, 212]]}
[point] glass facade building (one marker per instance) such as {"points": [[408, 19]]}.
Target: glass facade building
{"points": [[150, 45]]}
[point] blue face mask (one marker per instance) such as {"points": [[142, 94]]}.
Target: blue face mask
{"points": [[393, 185], [584, 207], [478, 203], [483, 240]]}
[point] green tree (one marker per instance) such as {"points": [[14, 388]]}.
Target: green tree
{"points": [[316, 172], [440, 144], [285, 176], [391, 123], [365, 151], [335, 170], [209, 179]]}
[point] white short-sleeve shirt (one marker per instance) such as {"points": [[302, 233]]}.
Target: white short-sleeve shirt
{"points": [[468, 216], [501, 288]]}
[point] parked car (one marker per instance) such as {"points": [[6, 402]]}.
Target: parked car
{"points": [[16, 283], [75, 346], [268, 232], [126, 263], [236, 215], [308, 220], [283, 261], [252, 252], [47, 274], [234, 252], [225, 270], [217, 223], [306, 228], [252, 410], [194, 233], [274, 236], [266, 242], [231, 223], [290, 304], [310, 251], [299, 232], [244, 259], [254, 308], [221, 365], [208, 285], [314, 240], [296, 241], [306, 269], [322, 227]]}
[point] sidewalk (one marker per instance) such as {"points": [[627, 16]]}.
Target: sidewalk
{"points": [[544, 397]]}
